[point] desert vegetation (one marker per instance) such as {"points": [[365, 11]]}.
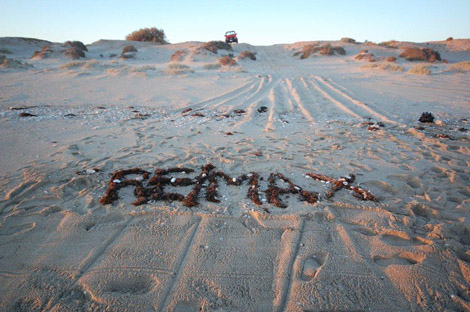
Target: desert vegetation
{"points": [[417, 54], [5, 51], [227, 60], [460, 67], [175, 69], [365, 55], [148, 35], [127, 52], [211, 66], [420, 69], [76, 44], [246, 53], [74, 53], [178, 56], [84, 65], [384, 66], [326, 49], [347, 40], [214, 46], [391, 59], [11, 63], [392, 44], [44, 53]]}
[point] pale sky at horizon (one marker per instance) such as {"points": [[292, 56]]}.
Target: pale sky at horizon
{"points": [[256, 22]]}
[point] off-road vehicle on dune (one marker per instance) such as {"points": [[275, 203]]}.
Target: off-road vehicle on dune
{"points": [[231, 36]]}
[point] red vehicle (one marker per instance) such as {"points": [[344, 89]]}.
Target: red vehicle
{"points": [[231, 36]]}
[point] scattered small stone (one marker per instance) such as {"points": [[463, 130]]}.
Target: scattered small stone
{"points": [[239, 111], [197, 115], [440, 123], [70, 115], [419, 128], [426, 117], [187, 110], [27, 115], [262, 109], [258, 153], [90, 171], [228, 133], [101, 107], [21, 108], [462, 129], [443, 136]]}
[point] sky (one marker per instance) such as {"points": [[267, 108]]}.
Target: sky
{"points": [[256, 22]]}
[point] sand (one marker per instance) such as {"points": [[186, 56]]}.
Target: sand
{"points": [[61, 249]]}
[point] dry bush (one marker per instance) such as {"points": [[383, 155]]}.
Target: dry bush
{"points": [[142, 69], [306, 51], [76, 44], [214, 46], [384, 66], [74, 53], [246, 53], [148, 35], [460, 67], [175, 69], [212, 66], [420, 70], [391, 59], [227, 60], [11, 63], [326, 49], [392, 44], [347, 40], [5, 51], [128, 48], [365, 56], [450, 39], [417, 54], [85, 65], [178, 56], [44, 53]]}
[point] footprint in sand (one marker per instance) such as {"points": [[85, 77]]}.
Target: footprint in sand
{"points": [[403, 259], [403, 240], [312, 266], [137, 285]]}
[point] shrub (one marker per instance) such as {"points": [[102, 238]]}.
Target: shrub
{"points": [[461, 66], [227, 60], [175, 69], [74, 53], [148, 35], [142, 68], [45, 52], [420, 70], [246, 54], [417, 54], [128, 48], [391, 59], [77, 44], [367, 56], [347, 40], [326, 49], [392, 44], [178, 56], [11, 63], [212, 66], [384, 66], [449, 39], [5, 51], [214, 46]]}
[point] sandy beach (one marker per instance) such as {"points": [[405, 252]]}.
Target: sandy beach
{"points": [[277, 184]]}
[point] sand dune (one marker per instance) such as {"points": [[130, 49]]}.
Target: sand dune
{"points": [[61, 249]]}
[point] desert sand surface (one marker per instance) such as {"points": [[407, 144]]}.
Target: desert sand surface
{"points": [[275, 130]]}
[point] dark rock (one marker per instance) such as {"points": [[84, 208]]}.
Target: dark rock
{"points": [[426, 117]]}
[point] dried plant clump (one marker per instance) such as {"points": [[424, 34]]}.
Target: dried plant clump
{"points": [[11, 63], [460, 67], [77, 44], [175, 69], [246, 53], [214, 46], [129, 48], [392, 44], [450, 39], [420, 70], [326, 49], [364, 55], [148, 35], [178, 56], [211, 66], [44, 53], [227, 60], [74, 53], [417, 54], [347, 40], [384, 66], [391, 59]]}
